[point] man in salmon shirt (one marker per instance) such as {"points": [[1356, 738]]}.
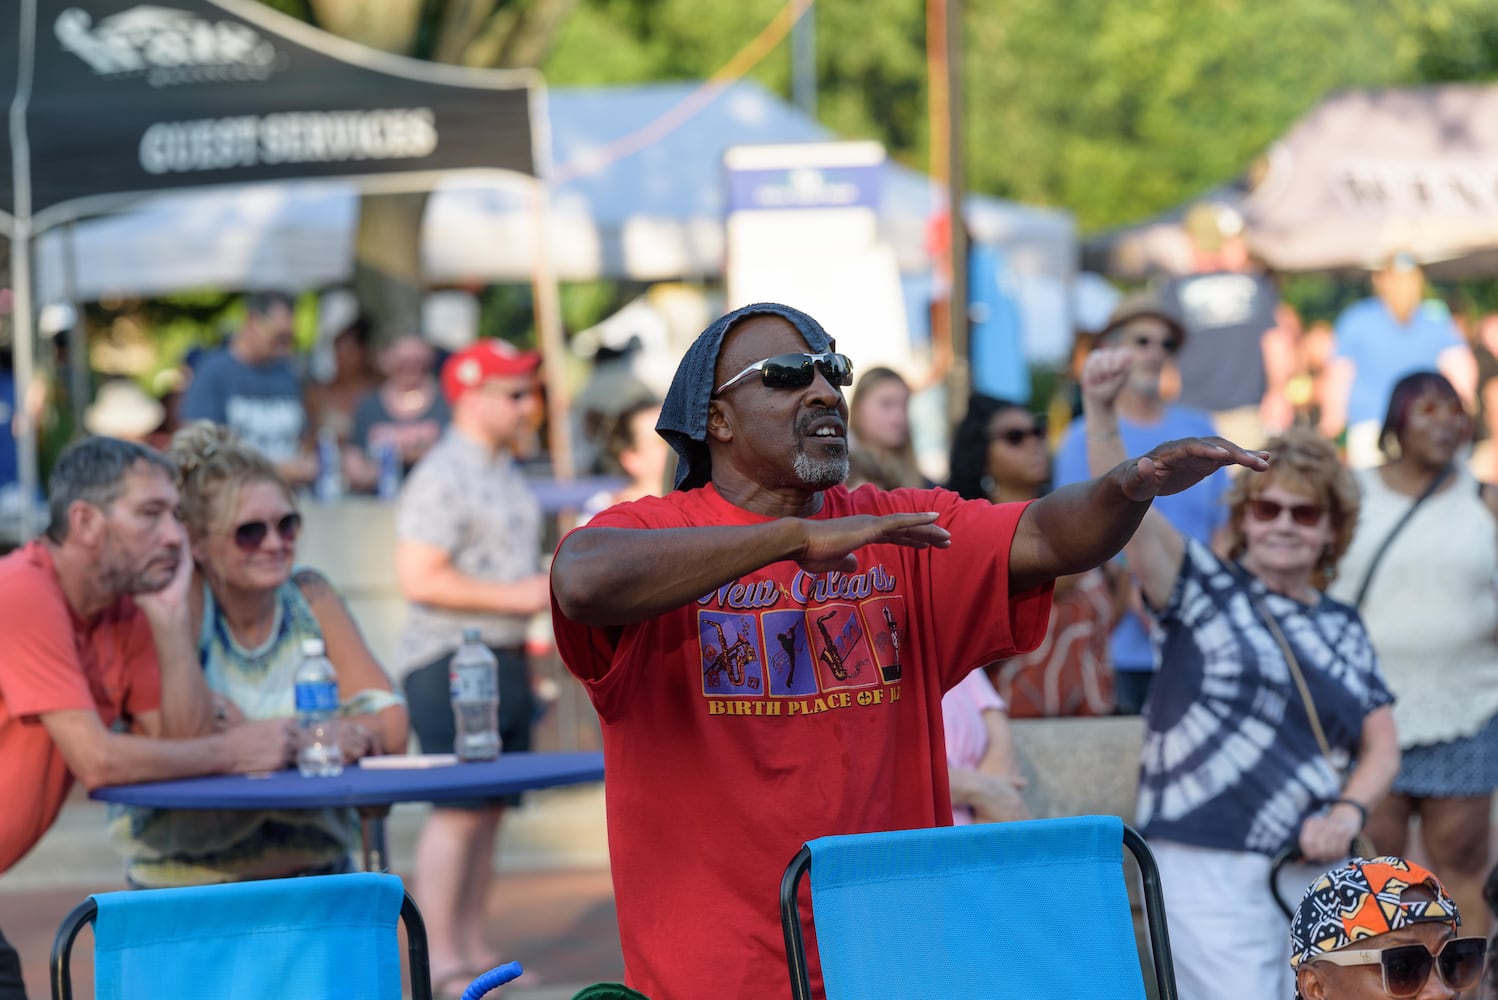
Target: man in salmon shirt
{"points": [[94, 632], [767, 650]]}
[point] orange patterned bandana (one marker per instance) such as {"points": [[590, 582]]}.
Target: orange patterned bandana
{"points": [[1363, 899]]}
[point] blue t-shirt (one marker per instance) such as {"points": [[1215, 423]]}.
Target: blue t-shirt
{"points": [[1195, 513], [1230, 760], [1385, 351], [262, 404]]}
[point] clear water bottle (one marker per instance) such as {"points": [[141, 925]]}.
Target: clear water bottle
{"points": [[388, 461], [474, 680], [329, 485], [318, 754]]}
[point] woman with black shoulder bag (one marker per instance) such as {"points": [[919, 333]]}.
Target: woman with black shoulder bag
{"points": [[1421, 572]]}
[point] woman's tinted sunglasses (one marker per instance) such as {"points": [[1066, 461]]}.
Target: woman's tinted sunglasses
{"points": [[1406, 967], [796, 371], [1307, 515], [252, 534]]}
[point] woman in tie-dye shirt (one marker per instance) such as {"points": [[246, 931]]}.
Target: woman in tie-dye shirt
{"points": [[1237, 766]]}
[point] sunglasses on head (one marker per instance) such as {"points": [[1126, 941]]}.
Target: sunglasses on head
{"points": [[252, 534], [796, 371], [1307, 515], [1016, 436], [1406, 967]]}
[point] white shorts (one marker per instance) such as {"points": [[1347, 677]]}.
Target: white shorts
{"points": [[1228, 937]]}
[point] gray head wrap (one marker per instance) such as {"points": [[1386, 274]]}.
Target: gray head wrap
{"points": [[683, 421]]}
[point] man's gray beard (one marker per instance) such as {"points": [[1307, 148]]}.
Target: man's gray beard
{"points": [[821, 473]]}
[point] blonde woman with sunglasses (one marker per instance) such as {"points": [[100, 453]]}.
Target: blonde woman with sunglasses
{"points": [[254, 608], [1266, 691]]}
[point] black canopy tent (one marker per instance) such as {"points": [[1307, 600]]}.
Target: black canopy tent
{"points": [[115, 98]]}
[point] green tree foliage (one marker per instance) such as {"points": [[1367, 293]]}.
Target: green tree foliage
{"points": [[1114, 111]]}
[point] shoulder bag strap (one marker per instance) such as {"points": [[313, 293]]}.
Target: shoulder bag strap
{"points": [[1383, 547], [1361, 845], [1296, 674]]}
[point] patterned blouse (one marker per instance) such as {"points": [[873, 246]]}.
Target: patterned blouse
{"points": [[1230, 758], [164, 847]]}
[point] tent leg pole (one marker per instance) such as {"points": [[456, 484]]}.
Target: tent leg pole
{"points": [[548, 316], [23, 365]]}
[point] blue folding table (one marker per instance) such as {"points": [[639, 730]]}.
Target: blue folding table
{"points": [[371, 791]]}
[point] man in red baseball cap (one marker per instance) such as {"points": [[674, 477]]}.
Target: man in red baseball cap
{"points": [[485, 360], [467, 555]]}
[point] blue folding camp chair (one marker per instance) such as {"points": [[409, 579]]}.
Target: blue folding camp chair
{"points": [[327, 936], [992, 911]]}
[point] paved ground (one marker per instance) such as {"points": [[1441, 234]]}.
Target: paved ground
{"points": [[552, 909]]}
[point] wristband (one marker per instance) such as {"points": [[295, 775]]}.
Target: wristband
{"points": [[1362, 810], [1102, 435]]}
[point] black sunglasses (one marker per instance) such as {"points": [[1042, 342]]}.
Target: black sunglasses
{"points": [[1170, 344], [796, 371], [1016, 436], [252, 534], [1307, 515], [1406, 967]]}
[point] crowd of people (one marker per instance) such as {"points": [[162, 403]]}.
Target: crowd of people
{"points": [[803, 634]]}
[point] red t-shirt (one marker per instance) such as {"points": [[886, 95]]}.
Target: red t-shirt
{"points": [[51, 660], [780, 708]]}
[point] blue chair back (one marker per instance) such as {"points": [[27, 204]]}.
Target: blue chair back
{"points": [[329, 936], [989, 912]]}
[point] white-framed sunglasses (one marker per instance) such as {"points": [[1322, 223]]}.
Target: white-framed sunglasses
{"points": [[1406, 967]]}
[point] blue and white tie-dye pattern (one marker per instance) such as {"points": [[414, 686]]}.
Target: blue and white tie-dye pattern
{"points": [[1230, 760]]}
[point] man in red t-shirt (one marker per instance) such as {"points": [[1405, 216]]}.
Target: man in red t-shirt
{"points": [[767, 651], [94, 630]]}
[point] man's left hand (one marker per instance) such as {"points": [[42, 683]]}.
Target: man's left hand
{"points": [[162, 606], [1178, 465]]}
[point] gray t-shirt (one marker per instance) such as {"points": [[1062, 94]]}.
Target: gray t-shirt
{"points": [[1226, 314], [479, 508], [261, 404]]}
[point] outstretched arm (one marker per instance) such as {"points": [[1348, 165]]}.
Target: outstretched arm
{"points": [[620, 576], [1083, 525]]}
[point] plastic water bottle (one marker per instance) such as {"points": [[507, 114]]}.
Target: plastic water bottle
{"points": [[329, 485], [318, 754], [473, 677], [389, 462]]}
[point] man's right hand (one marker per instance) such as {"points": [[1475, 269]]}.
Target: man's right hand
{"points": [[830, 544], [1103, 378], [266, 745]]}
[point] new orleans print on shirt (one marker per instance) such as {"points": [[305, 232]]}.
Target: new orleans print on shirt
{"points": [[824, 642]]}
